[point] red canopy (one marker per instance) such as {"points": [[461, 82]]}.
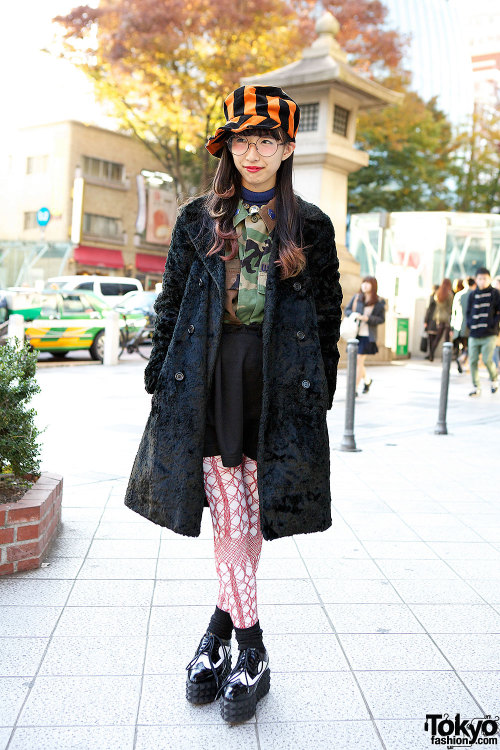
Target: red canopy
{"points": [[150, 263], [98, 256]]}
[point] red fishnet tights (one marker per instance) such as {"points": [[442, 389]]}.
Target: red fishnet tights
{"points": [[234, 506]]}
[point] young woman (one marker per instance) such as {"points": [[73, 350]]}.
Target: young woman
{"points": [[441, 315], [370, 309], [242, 372]]}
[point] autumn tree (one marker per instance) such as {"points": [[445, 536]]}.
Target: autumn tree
{"points": [[478, 162], [411, 159], [165, 66], [372, 48]]}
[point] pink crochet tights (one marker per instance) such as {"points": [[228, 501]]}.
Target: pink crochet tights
{"points": [[234, 506]]}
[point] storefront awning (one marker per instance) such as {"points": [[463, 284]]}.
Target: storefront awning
{"points": [[98, 256], [150, 263]]}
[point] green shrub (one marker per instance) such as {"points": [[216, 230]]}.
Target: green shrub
{"points": [[19, 449]]}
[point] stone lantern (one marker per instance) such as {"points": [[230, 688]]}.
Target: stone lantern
{"points": [[330, 95]]}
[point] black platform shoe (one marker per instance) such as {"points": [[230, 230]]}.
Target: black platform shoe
{"points": [[208, 668], [248, 682], [366, 386]]}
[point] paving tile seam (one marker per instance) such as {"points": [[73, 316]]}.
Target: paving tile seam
{"points": [[316, 633], [49, 640], [419, 622], [426, 543], [117, 478], [276, 671], [139, 701], [360, 691]]}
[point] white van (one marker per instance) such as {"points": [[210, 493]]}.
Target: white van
{"points": [[110, 288]]}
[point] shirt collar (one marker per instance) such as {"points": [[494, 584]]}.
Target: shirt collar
{"points": [[267, 213]]}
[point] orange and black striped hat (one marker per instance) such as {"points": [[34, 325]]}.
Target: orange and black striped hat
{"points": [[255, 107]]}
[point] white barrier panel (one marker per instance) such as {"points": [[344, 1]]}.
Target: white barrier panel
{"points": [[111, 338], [16, 330]]}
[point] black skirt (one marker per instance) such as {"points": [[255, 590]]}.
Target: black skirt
{"points": [[366, 346], [235, 400]]}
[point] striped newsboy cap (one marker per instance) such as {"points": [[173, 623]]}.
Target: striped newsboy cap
{"points": [[255, 107]]}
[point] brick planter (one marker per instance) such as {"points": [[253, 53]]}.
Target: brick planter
{"points": [[28, 527]]}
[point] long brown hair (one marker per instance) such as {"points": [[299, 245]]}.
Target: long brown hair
{"points": [[373, 296], [221, 201], [444, 290]]}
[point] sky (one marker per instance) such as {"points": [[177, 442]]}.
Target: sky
{"points": [[36, 87]]}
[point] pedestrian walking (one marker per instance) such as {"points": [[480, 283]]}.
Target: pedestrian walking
{"points": [[242, 371], [370, 311], [441, 316], [429, 322], [496, 353], [459, 323], [483, 318]]}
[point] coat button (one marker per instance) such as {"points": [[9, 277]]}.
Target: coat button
{"points": [[179, 376], [306, 384], [191, 329], [201, 282], [297, 286], [300, 335]]}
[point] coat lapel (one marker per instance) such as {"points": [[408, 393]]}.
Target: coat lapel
{"points": [[201, 242], [217, 268]]}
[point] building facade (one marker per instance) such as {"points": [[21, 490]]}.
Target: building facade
{"points": [[410, 251], [114, 218]]}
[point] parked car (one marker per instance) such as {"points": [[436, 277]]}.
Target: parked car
{"points": [[110, 288], [59, 321], [139, 302]]}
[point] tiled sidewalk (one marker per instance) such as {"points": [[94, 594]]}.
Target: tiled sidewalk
{"points": [[392, 613]]}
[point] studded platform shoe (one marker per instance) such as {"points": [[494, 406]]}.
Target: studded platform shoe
{"points": [[208, 668], [247, 683]]}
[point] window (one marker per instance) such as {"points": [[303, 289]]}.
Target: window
{"points": [[30, 221], [309, 116], [340, 120], [110, 289], [101, 226], [36, 164], [126, 288], [48, 305], [86, 285], [73, 304], [100, 169]]}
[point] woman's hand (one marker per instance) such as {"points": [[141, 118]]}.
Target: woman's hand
{"points": [[364, 317]]}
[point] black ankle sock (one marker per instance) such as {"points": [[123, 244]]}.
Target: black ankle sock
{"points": [[221, 624], [250, 637]]}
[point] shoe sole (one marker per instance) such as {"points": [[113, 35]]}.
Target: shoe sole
{"points": [[200, 693], [244, 708]]}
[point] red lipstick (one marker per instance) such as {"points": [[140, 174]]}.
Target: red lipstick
{"points": [[253, 169]]}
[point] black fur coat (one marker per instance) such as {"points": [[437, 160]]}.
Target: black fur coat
{"points": [[300, 334]]}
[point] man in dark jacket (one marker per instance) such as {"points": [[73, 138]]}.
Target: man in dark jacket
{"points": [[483, 317]]}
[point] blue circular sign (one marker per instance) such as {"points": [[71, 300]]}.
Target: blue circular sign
{"points": [[43, 217]]}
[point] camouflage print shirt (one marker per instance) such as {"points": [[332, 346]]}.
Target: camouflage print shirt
{"points": [[246, 274]]}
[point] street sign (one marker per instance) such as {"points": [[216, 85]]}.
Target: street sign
{"points": [[43, 217]]}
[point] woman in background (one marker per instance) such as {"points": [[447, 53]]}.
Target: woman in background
{"points": [[370, 309], [442, 316]]}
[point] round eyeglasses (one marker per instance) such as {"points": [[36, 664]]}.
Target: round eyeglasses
{"points": [[266, 146]]}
